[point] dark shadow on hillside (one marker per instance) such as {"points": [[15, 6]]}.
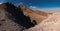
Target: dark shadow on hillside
{"points": [[17, 13]]}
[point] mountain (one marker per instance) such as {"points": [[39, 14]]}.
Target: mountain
{"points": [[12, 18], [35, 15]]}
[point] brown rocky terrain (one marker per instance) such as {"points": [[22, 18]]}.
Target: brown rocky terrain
{"points": [[14, 18]]}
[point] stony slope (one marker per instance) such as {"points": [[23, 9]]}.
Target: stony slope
{"points": [[6, 21]]}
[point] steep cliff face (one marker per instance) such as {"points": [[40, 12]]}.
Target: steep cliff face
{"points": [[38, 16]]}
